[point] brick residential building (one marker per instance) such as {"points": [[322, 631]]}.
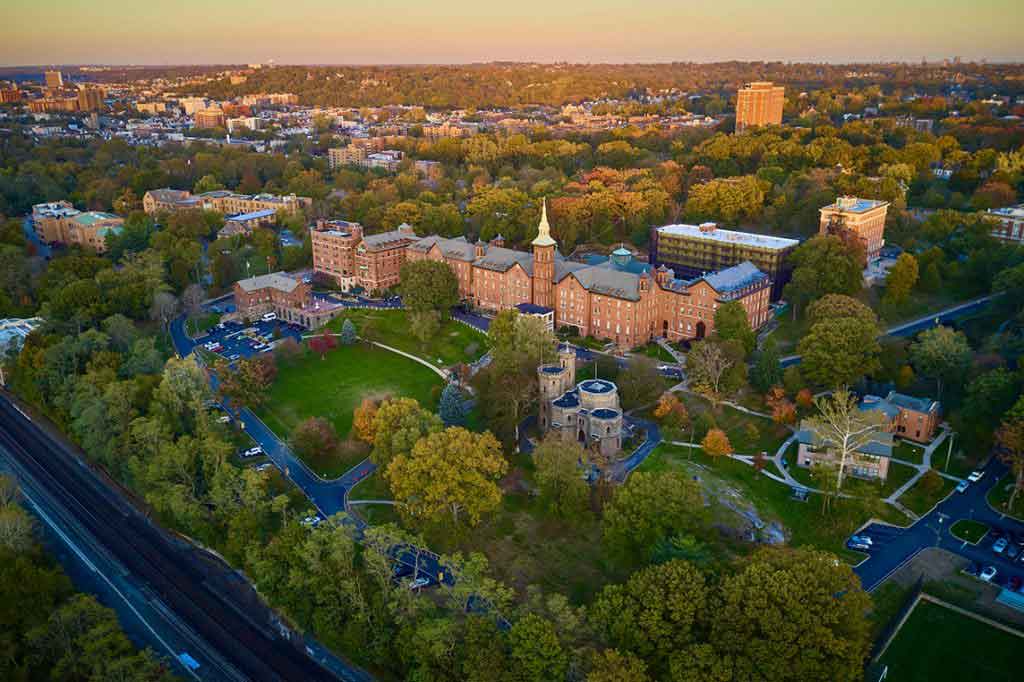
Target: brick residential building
{"points": [[692, 250], [290, 298], [908, 417], [615, 298], [210, 118], [61, 223], [222, 200], [1008, 223], [863, 218], [90, 98], [759, 104], [347, 256]]}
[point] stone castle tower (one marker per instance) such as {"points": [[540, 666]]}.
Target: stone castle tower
{"points": [[543, 262], [555, 380]]}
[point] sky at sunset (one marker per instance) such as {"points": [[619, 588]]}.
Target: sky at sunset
{"points": [[448, 31]]}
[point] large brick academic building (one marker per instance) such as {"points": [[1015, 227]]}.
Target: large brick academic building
{"points": [[615, 298]]}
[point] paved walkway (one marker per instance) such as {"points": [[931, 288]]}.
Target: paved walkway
{"points": [[680, 358]]}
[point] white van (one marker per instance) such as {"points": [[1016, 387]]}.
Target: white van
{"points": [[269, 317]]}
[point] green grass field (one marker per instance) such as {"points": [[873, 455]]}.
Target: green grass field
{"points": [[908, 452], [898, 475], [970, 531], [454, 343], [748, 434], [919, 499], [999, 498], [938, 645], [333, 387], [804, 520]]}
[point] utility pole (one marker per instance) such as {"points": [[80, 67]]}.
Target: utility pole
{"points": [[950, 451]]}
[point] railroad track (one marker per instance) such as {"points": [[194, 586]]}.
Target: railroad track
{"points": [[150, 556]]}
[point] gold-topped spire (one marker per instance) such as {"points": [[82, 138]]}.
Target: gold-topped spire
{"points": [[544, 229]]}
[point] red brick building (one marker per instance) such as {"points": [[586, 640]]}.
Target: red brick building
{"points": [[289, 298], [617, 298], [350, 258]]}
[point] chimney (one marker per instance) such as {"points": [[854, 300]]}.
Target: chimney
{"points": [[480, 249]]}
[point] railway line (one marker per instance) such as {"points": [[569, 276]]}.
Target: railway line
{"points": [[150, 556]]}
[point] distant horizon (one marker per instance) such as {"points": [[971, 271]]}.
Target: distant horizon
{"points": [[460, 32]]}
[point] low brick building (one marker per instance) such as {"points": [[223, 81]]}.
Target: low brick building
{"points": [[61, 223], [288, 297], [908, 417]]}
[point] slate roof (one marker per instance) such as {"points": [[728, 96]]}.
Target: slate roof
{"points": [[457, 248], [275, 280], [388, 240], [735, 277], [167, 194], [500, 259], [599, 280], [879, 446]]}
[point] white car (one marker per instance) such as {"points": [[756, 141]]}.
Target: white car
{"points": [[263, 467], [962, 486], [224, 419], [975, 476], [988, 573], [269, 317], [999, 546], [311, 521], [418, 584]]}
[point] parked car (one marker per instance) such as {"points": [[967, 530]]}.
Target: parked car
{"points": [[861, 542], [973, 568], [976, 476], [269, 317], [988, 573], [962, 486], [311, 521], [224, 419], [418, 584], [999, 546], [1012, 552], [263, 467]]}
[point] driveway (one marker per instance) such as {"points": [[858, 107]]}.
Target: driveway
{"points": [[895, 546]]}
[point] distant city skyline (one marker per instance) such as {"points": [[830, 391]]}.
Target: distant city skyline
{"points": [[459, 31]]}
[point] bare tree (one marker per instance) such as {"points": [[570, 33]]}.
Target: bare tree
{"points": [[192, 300], [165, 305], [843, 427], [707, 363]]}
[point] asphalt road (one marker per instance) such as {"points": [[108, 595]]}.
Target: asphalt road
{"points": [[152, 557], [894, 547]]}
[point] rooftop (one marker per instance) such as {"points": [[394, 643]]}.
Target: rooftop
{"points": [[715, 234], [253, 215], [854, 205], [597, 386], [1008, 211], [93, 217], [274, 280], [735, 277]]}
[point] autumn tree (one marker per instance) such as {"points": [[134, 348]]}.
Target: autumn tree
{"points": [[650, 506], [364, 420], [671, 412], [559, 474], [840, 347], [781, 596], [659, 610], [314, 437], [451, 473], [429, 286], [640, 383], [323, 343], [397, 425], [942, 354], [612, 666], [901, 280], [1010, 442], [823, 265], [716, 444], [731, 323]]}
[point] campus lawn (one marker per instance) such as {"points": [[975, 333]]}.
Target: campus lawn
{"points": [[999, 498], [968, 530], [333, 387], [887, 601], [653, 350], [960, 463], [454, 343], [200, 325], [937, 644], [920, 500], [805, 521], [748, 434], [898, 475], [908, 452]]}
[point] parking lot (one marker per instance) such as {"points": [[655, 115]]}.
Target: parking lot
{"points": [[234, 340], [1000, 549]]}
